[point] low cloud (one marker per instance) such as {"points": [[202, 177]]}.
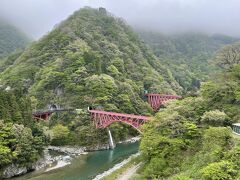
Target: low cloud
{"points": [[36, 17]]}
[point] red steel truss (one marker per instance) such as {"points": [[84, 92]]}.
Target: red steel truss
{"points": [[41, 115], [156, 100], [103, 119], [45, 114]]}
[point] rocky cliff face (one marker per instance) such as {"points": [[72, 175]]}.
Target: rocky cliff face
{"points": [[16, 170]]}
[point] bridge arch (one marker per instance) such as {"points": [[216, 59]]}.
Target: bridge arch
{"points": [[103, 119], [138, 129]]}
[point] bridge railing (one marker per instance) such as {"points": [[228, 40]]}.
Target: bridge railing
{"points": [[120, 114], [52, 110], [164, 95]]}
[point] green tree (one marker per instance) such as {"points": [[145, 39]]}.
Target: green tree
{"points": [[60, 134], [7, 139], [219, 171], [5, 156], [18, 145], [215, 118], [229, 56], [217, 140]]}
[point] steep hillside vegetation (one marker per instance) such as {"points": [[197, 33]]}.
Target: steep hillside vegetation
{"points": [[7, 61], [188, 56], [21, 138], [11, 39], [91, 59], [191, 139]]}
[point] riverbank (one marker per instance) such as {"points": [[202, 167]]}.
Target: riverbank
{"points": [[47, 161], [85, 166], [55, 157], [77, 151], [130, 172], [114, 172], [50, 162]]}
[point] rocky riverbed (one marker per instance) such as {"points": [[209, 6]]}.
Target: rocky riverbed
{"points": [[72, 151], [131, 140], [47, 160], [15, 170], [50, 162]]}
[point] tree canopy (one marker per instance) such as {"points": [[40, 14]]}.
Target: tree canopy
{"points": [[21, 139], [191, 138]]}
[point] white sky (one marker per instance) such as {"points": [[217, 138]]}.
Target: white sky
{"points": [[36, 17]]}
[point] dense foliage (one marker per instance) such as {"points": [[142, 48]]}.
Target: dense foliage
{"points": [[11, 39], [188, 55], [191, 138], [10, 59], [21, 139], [94, 59], [91, 59]]}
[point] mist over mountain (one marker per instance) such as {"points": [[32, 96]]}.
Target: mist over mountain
{"points": [[187, 55], [78, 85], [87, 53], [11, 38], [168, 16]]}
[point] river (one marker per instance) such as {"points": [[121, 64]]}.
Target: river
{"points": [[86, 166]]}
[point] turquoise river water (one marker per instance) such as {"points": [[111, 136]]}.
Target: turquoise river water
{"points": [[87, 166]]}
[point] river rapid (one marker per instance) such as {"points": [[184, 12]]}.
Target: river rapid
{"points": [[85, 166]]}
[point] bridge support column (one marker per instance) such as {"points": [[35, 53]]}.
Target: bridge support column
{"points": [[111, 143]]}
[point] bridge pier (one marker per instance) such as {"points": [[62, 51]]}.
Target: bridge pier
{"points": [[111, 143]]}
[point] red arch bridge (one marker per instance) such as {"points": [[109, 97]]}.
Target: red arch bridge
{"points": [[103, 119], [156, 100]]}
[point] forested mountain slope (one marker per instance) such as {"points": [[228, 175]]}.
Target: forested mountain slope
{"points": [[11, 39], [192, 138], [188, 55], [91, 59]]}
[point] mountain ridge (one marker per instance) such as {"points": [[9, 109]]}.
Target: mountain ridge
{"points": [[90, 46], [187, 55]]}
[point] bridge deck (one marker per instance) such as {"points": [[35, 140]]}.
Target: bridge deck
{"points": [[40, 112], [163, 95], [120, 114]]}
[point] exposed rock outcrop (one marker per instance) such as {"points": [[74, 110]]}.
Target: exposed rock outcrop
{"points": [[68, 150], [14, 170], [98, 147], [46, 160], [131, 140]]}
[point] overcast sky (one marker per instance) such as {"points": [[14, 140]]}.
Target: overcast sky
{"points": [[36, 17]]}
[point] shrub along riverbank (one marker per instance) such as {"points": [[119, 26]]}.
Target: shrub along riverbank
{"points": [[22, 140]]}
